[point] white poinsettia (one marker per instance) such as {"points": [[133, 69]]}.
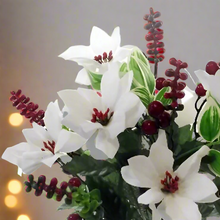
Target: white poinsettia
{"points": [[188, 114], [103, 117], [102, 50], [210, 83], [44, 146], [175, 192]]}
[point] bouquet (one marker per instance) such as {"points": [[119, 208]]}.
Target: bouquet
{"points": [[133, 145]]}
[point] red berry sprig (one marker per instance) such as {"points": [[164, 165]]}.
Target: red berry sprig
{"points": [[200, 91], [155, 47], [176, 87], [27, 108], [161, 118], [52, 188]]}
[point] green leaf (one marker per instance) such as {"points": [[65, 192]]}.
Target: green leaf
{"points": [[95, 195], [65, 206], [209, 127], [185, 134], [144, 95], [214, 165], [205, 209], [139, 54], [142, 73], [123, 68], [88, 166], [95, 79], [160, 96]]}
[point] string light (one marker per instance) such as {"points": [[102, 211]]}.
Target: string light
{"points": [[23, 217], [10, 201], [14, 186], [15, 119]]}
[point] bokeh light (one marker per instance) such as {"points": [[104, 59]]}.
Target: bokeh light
{"points": [[14, 186], [15, 119], [23, 217], [10, 201]]}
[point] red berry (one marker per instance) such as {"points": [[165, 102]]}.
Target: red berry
{"points": [[164, 120], [174, 104], [74, 182], [200, 91], [166, 82], [180, 95], [74, 217], [212, 67], [169, 72], [155, 109], [63, 185], [183, 76], [149, 127], [159, 83], [173, 61], [167, 95], [181, 85]]}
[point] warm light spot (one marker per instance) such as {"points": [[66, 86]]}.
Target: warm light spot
{"points": [[23, 217], [15, 119], [14, 186], [11, 201]]}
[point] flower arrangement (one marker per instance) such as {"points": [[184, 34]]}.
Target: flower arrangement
{"points": [[125, 143]]}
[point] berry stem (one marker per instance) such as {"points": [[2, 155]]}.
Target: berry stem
{"points": [[197, 114], [155, 69]]}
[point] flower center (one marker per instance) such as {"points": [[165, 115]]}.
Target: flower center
{"points": [[102, 118], [170, 184], [104, 58], [49, 146]]}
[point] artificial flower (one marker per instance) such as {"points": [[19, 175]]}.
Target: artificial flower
{"points": [[44, 146], [176, 192], [210, 83], [105, 115], [102, 50]]}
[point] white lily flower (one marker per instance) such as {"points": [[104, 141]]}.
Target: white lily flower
{"points": [[44, 146], [103, 49], [210, 83], [177, 192], [104, 116]]}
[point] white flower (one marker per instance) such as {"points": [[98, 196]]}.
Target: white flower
{"points": [[188, 114], [44, 146], [210, 83], [176, 191], [103, 49], [103, 117]]}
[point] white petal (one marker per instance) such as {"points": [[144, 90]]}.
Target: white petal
{"points": [[50, 160], [145, 171], [192, 164], [109, 81], [83, 77], [214, 86], [129, 176], [155, 213], [100, 41], [108, 146], [198, 187], [122, 53], [79, 51], [161, 156], [153, 195], [179, 208], [116, 37], [204, 78], [52, 119], [14, 154], [69, 142], [116, 124], [209, 199], [95, 153]]}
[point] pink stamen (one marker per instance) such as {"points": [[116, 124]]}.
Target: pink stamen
{"points": [[104, 58], [170, 184], [98, 116], [49, 146]]}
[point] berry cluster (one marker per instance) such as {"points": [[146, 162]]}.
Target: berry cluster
{"points": [[27, 109], [156, 48], [52, 190], [176, 87], [161, 118], [211, 68]]}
